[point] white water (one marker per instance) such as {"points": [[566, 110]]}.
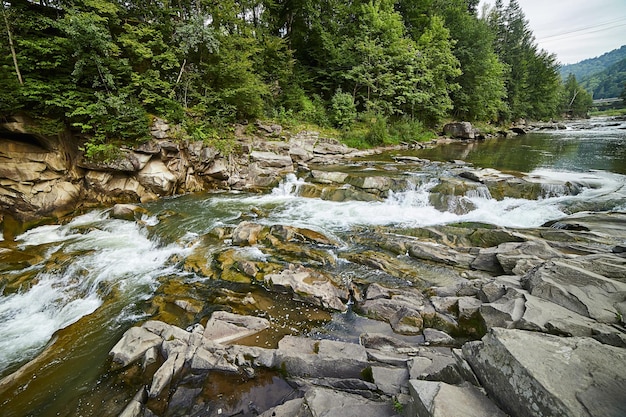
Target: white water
{"points": [[411, 208], [102, 254]]}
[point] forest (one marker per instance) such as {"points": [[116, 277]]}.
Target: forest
{"points": [[375, 70]]}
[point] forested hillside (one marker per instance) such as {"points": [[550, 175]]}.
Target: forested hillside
{"points": [[104, 67], [591, 66]]}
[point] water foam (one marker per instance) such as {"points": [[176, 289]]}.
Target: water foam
{"points": [[106, 254]]}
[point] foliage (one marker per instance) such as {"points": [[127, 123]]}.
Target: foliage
{"points": [[383, 71], [576, 101], [342, 109], [589, 67]]}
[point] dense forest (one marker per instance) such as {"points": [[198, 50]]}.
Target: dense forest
{"points": [[377, 70]]}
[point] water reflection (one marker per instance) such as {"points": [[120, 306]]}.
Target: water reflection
{"points": [[572, 150]]}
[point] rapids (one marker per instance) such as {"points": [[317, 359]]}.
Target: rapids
{"points": [[68, 291]]}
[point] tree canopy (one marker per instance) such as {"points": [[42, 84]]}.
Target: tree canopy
{"points": [[104, 67]]}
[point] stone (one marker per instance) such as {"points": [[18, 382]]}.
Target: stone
{"points": [[462, 130], [246, 233], [440, 253], [157, 178], [126, 211], [391, 381], [437, 337], [328, 177], [290, 408], [272, 160], [536, 374], [311, 285], [171, 368], [505, 311], [592, 286], [435, 365], [330, 403], [321, 359], [132, 346], [438, 399], [166, 331], [224, 327], [135, 407]]}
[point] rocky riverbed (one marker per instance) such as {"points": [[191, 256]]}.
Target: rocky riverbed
{"points": [[446, 317]]}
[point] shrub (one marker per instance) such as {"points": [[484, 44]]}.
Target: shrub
{"points": [[342, 109]]}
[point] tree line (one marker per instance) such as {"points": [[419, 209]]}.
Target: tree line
{"points": [[104, 67]]}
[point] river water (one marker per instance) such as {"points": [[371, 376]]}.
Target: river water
{"points": [[69, 291]]}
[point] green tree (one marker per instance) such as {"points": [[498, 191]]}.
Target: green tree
{"points": [[576, 101]]}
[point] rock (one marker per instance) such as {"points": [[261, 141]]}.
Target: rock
{"points": [[437, 337], [166, 331], [322, 359], [462, 130], [440, 253], [505, 311], [311, 285], [592, 286], [135, 406], [246, 233], [328, 177], [391, 381], [126, 211], [172, 366], [574, 377], [329, 403], [435, 365], [272, 160], [157, 178], [290, 408], [132, 346], [224, 327], [438, 399]]}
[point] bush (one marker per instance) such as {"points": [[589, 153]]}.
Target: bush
{"points": [[342, 109], [378, 134], [409, 130]]}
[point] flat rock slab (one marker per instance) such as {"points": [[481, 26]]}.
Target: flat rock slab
{"points": [[438, 399], [533, 374], [329, 403], [224, 327]]}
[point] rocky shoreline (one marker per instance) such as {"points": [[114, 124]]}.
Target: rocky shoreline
{"points": [[485, 320]]}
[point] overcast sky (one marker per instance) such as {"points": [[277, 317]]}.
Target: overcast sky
{"points": [[575, 30]]}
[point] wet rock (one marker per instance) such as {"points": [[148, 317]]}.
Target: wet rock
{"points": [[171, 368], [312, 286], [132, 346], [246, 233], [135, 406], [438, 399], [126, 211], [574, 376]]}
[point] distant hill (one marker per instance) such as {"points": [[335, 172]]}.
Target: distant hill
{"points": [[603, 76]]}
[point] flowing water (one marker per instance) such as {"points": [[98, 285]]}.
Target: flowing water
{"points": [[69, 291]]}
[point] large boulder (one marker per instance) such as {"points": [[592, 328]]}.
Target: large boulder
{"points": [[462, 130], [534, 374], [157, 178]]}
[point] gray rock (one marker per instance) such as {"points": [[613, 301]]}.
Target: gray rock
{"points": [[579, 285], [438, 399], [391, 381], [435, 365], [135, 407], [321, 359], [329, 403], [505, 311], [437, 337], [535, 374], [462, 130], [272, 160], [290, 408], [440, 253], [126, 211], [224, 327], [246, 233], [132, 346]]}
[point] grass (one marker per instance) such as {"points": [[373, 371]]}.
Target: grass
{"points": [[610, 112]]}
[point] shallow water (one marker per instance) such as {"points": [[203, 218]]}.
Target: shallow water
{"points": [[68, 292]]}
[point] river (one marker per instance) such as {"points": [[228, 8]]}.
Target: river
{"points": [[69, 291]]}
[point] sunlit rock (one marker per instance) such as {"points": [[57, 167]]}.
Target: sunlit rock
{"points": [[462, 130], [311, 286], [132, 346], [224, 327]]}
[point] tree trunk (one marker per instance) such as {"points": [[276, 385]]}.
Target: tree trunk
{"points": [[17, 68]]}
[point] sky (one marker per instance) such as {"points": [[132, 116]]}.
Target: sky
{"points": [[575, 30]]}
